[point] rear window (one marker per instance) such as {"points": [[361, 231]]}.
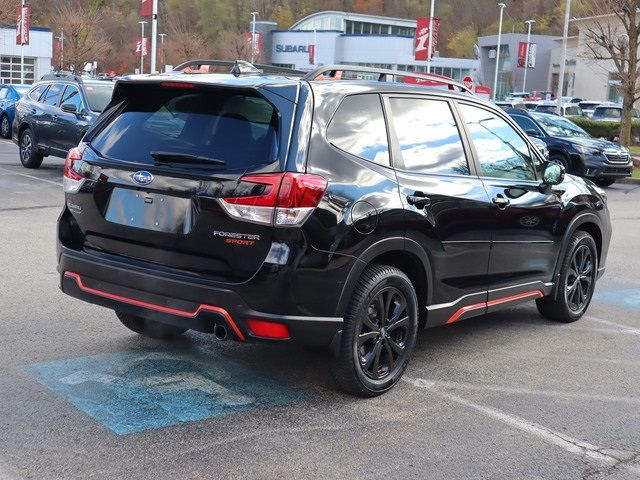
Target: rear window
{"points": [[237, 127], [98, 97], [607, 112]]}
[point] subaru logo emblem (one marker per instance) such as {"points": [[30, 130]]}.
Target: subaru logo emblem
{"points": [[142, 177]]}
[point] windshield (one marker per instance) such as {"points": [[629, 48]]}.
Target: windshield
{"points": [[546, 108], [98, 96], [559, 127], [175, 125]]}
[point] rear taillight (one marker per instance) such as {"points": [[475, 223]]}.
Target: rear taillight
{"points": [[72, 180], [286, 199]]}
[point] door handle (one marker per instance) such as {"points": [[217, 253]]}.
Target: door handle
{"points": [[418, 200], [500, 201], [33, 110]]}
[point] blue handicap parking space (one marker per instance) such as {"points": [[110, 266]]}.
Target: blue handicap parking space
{"points": [[629, 297], [134, 391]]}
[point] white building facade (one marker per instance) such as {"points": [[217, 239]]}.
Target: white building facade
{"points": [[37, 55], [357, 39]]}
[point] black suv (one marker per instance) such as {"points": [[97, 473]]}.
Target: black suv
{"points": [[350, 213], [55, 114], [581, 154]]}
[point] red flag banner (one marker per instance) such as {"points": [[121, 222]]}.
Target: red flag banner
{"points": [[23, 24], [142, 46], [312, 54], [422, 37], [146, 8]]}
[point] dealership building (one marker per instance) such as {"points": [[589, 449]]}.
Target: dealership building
{"points": [[332, 37], [37, 55]]}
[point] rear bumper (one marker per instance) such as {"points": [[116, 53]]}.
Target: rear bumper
{"points": [[181, 302]]}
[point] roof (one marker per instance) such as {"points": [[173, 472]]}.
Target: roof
{"points": [[358, 17]]}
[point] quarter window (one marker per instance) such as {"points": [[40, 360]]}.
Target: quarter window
{"points": [[36, 92], [358, 127], [501, 151], [428, 136], [526, 123], [52, 95]]}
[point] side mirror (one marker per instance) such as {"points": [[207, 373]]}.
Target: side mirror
{"points": [[69, 108], [553, 174], [533, 133]]}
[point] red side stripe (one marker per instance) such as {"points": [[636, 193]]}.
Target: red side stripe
{"points": [[159, 308], [490, 303]]}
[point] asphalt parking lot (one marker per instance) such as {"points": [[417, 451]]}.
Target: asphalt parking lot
{"points": [[508, 395]]}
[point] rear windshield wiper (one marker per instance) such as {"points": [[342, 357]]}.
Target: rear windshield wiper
{"points": [[176, 157]]}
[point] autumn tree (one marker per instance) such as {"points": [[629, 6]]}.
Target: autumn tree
{"points": [[8, 11], [84, 40], [614, 35]]}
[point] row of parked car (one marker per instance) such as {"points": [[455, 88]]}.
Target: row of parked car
{"points": [[571, 106], [51, 117]]}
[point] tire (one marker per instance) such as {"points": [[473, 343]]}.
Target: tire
{"points": [[149, 328], [29, 156], [574, 292], [381, 289], [562, 160], [5, 127], [604, 182]]}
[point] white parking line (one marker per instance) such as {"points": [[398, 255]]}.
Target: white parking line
{"points": [[625, 328], [572, 445], [6, 473], [59, 184], [527, 391]]}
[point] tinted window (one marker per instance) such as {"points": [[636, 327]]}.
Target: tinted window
{"points": [[574, 111], [428, 136], [237, 128], [71, 96], [358, 127], [36, 92], [98, 96], [607, 112], [52, 95], [502, 152]]}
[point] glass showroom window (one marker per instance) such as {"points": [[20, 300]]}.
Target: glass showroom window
{"points": [[10, 69]]}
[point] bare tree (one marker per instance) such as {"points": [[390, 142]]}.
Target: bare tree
{"points": [[8, 11], [615, 36], [84, 40], [236, 46]]}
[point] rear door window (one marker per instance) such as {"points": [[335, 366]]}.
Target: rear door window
{"points": [[52, 95], [428, 137], [358, 128], [233, 128]]}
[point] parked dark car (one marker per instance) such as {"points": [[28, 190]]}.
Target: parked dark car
{"points": [[9, 95], [55, 114], [349, 214], [569, 145]]}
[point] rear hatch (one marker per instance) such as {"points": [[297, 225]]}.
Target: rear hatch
{"points": [[160, 160]]}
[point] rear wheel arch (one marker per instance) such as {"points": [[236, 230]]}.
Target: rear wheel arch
{"points": [[402, 253]]}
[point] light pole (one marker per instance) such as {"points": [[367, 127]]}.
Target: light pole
{"points": [[563, 57], [154, 35], [495, 78], [61, 38], [430, 50], [142, 24], [253, 36], [526, 57], [162, 35]]}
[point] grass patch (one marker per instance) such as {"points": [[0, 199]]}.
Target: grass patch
{"points": [[635, 150], [636, 173]]}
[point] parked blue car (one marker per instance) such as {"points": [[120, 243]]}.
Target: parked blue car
{"points": [[9, 95]]}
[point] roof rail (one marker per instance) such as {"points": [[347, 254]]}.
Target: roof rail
{"points": [[385, 75], [62, 75], [237, 67]]}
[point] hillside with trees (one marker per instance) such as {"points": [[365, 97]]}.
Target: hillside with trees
{"points": [[104, 30]]}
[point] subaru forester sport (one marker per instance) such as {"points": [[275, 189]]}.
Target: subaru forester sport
{"points": [[350, 214]]}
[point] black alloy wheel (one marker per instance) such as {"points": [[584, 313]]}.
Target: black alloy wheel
{"points": [[580, 279], [382, 334]]}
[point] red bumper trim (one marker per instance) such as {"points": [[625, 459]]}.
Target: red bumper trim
{"points": [[491, 303], [158, 308]]}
